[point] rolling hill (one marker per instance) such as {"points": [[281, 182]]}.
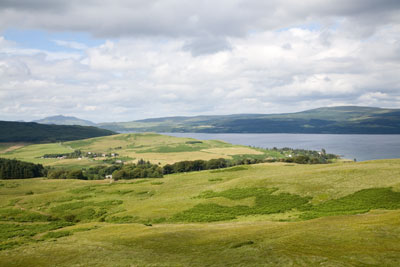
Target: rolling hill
{"points": [[268, 214], [329, 120], [156, 148], [65, 120], [260, 215], [34, 132]]}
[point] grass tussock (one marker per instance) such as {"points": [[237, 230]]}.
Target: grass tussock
{"points": [[123, 219], [215, 180], [241, 244], [57, 234]]}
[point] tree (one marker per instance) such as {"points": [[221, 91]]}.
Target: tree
{"points": [[76, 174], [119, 174], [168, 169]]}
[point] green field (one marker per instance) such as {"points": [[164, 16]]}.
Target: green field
{"points": [[33, 153], [340, 214], [130, 147]]}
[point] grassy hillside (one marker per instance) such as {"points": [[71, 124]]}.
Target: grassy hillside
{"points": [[65, 120], [131, 147], [342, 214], [33, 132], [342, 120]]}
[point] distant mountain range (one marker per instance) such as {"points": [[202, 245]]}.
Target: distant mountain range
{"points": [[329, 120], [65, 120]]}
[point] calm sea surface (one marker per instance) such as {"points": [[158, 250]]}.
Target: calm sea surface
{"points": [[360, 147]]}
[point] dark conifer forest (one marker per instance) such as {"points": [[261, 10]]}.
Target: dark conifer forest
{"points": [[15, 169]]}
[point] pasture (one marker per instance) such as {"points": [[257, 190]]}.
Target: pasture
{"points": [[340, 214], [156, 148]]}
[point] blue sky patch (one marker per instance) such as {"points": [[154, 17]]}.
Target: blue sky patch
{"points": [[45, 40]]}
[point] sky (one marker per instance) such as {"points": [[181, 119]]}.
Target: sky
{"points": [[123, 60]]}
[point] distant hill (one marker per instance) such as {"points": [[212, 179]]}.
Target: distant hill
{"points": [[11, 131], [65, 120], [329, 120]]}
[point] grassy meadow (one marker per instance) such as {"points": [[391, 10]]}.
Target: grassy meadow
{"points": [[340, 214]]}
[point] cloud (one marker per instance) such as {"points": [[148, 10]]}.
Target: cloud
{"points": [[205, 23], [206, 45], [166, 58], [71, 44], [269, 71]]}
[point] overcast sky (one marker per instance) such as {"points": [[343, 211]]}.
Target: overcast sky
{"points": [[122, 60]]}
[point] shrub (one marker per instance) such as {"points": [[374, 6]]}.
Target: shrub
{"points": [[124, 219], [241, 244], [57, 234]]}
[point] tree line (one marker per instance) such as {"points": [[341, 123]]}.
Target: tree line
{"points": [[142, 169], [196, 165], [15, 169], [299, 156]]}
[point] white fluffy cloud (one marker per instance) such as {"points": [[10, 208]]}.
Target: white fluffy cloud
{"points": [[181, 58], [189, 18]]}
